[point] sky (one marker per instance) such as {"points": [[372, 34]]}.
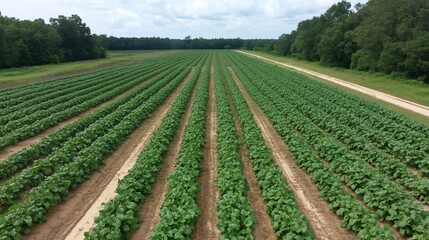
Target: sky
{"points": [[247, 19]]}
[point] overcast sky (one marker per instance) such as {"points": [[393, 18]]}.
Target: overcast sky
{"points": [[177, 19]]}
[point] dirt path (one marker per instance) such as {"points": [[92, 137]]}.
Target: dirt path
{"points": [[74, 216], [325, 224], [263, 228], [206, 228], [7, 152], [151, 206], [412, 106]]}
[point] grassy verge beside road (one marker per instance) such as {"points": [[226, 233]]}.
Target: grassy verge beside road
{"points": [[408, 89], [411, 90]]}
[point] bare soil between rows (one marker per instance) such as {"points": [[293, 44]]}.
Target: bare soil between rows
{"points": [[325, 224], [206, 225], [67, 214]]}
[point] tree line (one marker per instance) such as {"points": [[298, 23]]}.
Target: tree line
{"points": [[149, 43], [63, 39], [389, 36]]}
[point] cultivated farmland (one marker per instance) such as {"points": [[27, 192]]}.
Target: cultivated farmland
{"points": [[207, 145]]}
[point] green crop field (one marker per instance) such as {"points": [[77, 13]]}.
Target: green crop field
{"points": [[207, 145]]}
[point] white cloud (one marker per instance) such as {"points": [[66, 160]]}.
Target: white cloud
{"points": [[123, 18], [177, 19]]}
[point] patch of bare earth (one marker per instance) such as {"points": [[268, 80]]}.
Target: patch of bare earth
{"points": [[325, 224], [73, 217], [263, 228], [206, 225], [7, 152], [151, 206]]}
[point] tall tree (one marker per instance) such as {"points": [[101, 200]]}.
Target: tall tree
{"points": [[77, 41]]}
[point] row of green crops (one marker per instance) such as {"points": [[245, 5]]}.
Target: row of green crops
{"points": [[35, 174], [13, 96], [57, 139], [355, 217], [320, 113], [47, 101], [18, 95], [391, 202], [236, 219], [82, 100], [54, 189], [120, 215], [395, 136], [180, 209], [287, 221], [16, 106]]}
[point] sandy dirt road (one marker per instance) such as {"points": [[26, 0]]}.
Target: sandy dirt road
{"points": [[412, 106]]}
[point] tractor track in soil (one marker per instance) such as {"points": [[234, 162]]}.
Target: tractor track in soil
{"points": [[205, 227]]}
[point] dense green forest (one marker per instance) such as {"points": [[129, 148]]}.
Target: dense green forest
{"points": [[26, 43], [389, 36]]}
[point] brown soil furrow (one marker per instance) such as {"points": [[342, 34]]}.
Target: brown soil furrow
{"points": [[325, 224], [84, 203], [151, 207], [7, 152], [208, 196], [263, 228]]}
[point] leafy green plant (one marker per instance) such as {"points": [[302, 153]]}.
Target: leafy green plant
{"points": [[236, 219], [287, 221], [180, 209], [52, 191], [121, 214]]}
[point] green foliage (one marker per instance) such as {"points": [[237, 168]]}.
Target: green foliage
{"points": [[20, 125], [314, 133], [236, 219], [287, 221], [383, 35], [137, 184], [27, 43], [180, 209], [57, 139], [71, 171]]}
